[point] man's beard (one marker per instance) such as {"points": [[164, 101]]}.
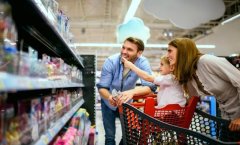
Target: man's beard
{"points": [[132, 59]]}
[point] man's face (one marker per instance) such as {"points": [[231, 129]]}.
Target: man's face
{"points": [[130, 51]]}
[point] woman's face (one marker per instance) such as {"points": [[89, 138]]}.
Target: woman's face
{"points": [[172, 54]]}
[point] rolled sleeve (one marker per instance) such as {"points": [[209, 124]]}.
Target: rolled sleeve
{"points": [[106, 75]]}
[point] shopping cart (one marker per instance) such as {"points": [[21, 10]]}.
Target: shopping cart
{"points": [[142, 129], [172, 113], [169, 125]]}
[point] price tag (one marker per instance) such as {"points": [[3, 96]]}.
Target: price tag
{"points": [[45, 140], [29, 84], [59, 126], [51, 132], [1, 85]]}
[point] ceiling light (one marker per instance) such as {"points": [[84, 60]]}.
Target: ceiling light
{"points": [[234, 55], [116, 45], [165, 34], [230, 19]]}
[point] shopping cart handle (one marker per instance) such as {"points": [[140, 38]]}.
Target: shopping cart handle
{"points": [[138, 105], [144, 96]]}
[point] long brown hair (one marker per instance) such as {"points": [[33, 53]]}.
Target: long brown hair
{"points": [[187, 58]]}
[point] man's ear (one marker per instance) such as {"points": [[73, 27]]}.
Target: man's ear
{"points": [[139, 53]]}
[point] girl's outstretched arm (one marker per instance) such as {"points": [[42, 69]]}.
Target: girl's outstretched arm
{"points": [[142, 74]]}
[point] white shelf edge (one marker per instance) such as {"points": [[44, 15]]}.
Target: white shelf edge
{"points": [[10, 82]]}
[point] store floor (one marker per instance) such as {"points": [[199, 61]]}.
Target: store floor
{"points": [[100, 129]]}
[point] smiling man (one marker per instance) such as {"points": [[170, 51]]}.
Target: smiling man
{"points": [[115, 76]]}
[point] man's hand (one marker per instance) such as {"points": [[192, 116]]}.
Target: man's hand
{"points": [[235, 125], [112, 100], [124, 97]]}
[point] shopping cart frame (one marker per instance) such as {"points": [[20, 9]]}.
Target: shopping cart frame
{"points": [[142, 104], [149, 126], [216, 127]]}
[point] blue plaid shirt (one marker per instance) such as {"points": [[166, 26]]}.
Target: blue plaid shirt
{"points": [[112, 76]]}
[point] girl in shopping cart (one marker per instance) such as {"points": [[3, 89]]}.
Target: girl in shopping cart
{"points": [[170, 91]]}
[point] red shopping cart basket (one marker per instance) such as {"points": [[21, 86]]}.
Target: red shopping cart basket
{"points": [[141, 104], [172, 113], [140, 128]]}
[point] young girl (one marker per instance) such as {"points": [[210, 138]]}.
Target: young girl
{"points": [[170, 91]]}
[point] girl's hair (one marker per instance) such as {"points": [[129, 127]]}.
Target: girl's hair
{"points": [[186, 60], [165, 60]]}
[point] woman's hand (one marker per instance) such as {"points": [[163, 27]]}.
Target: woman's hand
{"points": [[235, 125]]}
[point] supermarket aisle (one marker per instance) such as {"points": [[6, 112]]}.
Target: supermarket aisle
{"points": [[100, 129]]}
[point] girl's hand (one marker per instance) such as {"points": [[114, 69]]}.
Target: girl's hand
{"points": [[126, 63]]}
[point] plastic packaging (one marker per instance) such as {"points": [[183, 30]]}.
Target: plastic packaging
{"points": [[115, 93], [8, 38]]}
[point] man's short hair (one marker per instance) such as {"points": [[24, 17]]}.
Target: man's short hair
{"points": [[136, 41]]}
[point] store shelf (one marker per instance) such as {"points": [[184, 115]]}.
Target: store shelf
{"points": [[52, 132], [9, 82], [23, 95], [36, 30]]}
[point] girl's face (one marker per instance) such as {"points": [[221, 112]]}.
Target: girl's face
{"points": [[172, 54], [165, 68]]}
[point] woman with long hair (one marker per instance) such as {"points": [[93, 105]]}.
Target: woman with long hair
{"points": [[203, 74]]}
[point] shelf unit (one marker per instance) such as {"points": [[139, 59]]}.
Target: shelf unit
{"points": [[48, 136], [35, 30]]}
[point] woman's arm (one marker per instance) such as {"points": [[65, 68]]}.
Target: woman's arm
{"points": [[142, 74], [227, 72]]}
